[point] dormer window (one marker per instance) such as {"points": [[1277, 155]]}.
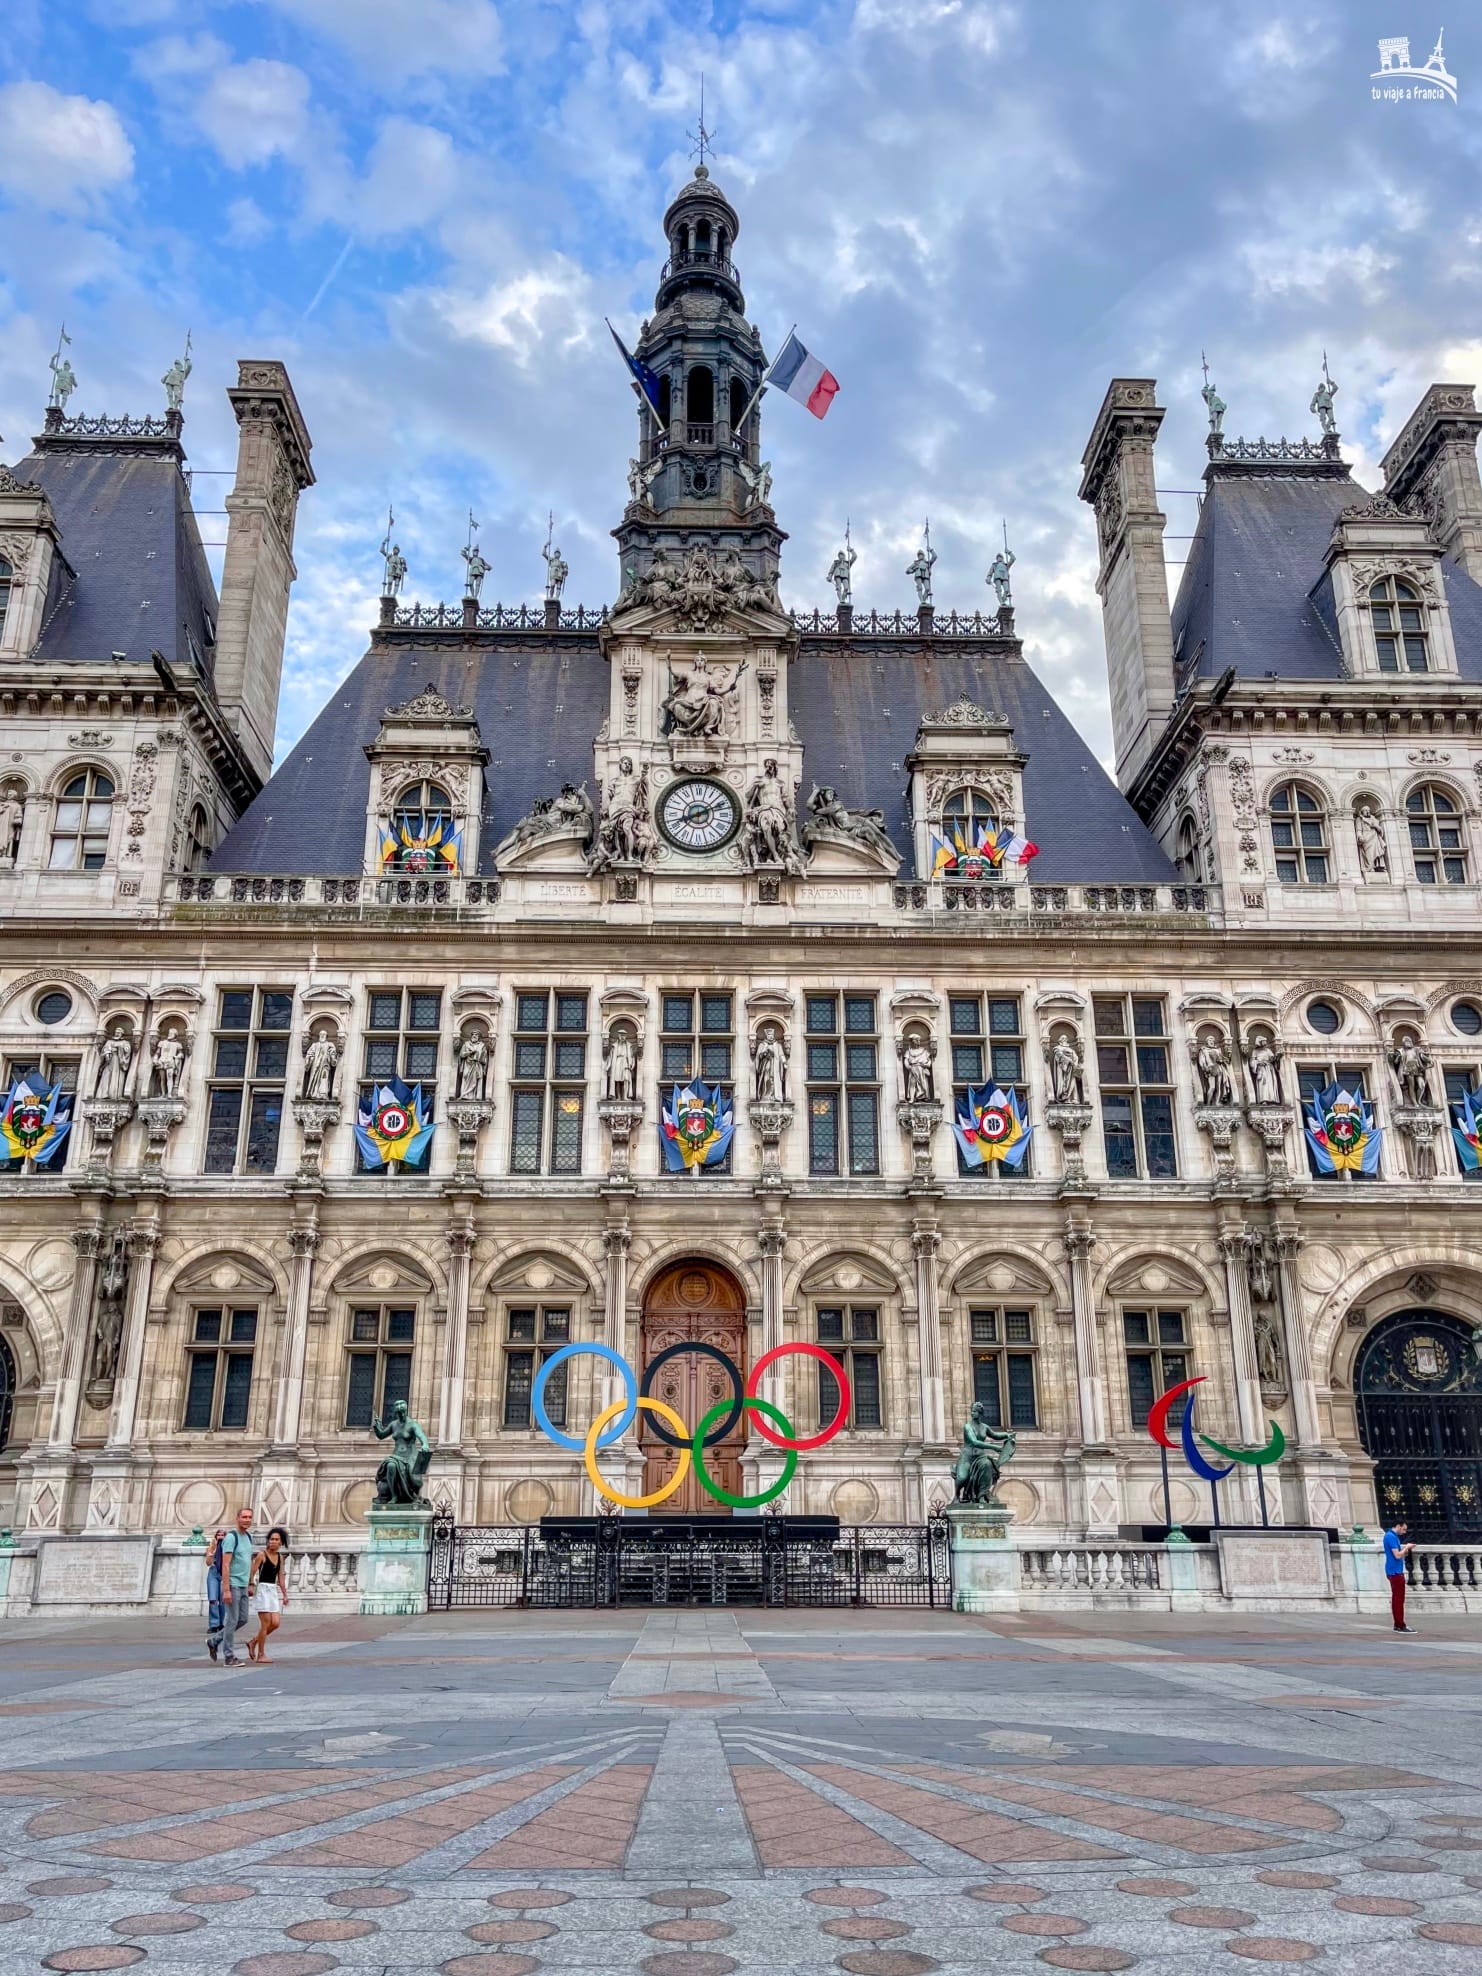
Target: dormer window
{"points": [[423, 817], [1399, 626], [79, 838], [1299, 836], [966, 817]]}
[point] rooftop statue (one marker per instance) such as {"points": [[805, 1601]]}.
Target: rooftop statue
{"points": [[556, 572], [1322, 403], [920, 567], [63, 380], [174, 378], [1215, 404], [998, 576], [478, 568], [841, 572]]}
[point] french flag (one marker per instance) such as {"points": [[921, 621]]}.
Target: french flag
{"points": [[802, 376], [1014, 849]]}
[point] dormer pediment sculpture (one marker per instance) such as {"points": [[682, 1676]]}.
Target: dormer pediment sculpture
{"points": [[701, 591], [426, 793], [839, 838], [556, 833]]}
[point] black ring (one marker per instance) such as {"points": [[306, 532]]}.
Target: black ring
{"points": [[665, 1433]]}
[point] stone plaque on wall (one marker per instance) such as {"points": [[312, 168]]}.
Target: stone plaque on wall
{"points": [[1258, 1565], [93, 1570]]}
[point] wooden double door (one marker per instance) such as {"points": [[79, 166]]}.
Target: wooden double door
{"points": [[693, 1303]]}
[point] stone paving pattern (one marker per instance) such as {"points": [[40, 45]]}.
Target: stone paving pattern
{"points": [[697, 1793]]}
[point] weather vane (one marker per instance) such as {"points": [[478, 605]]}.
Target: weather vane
{"points": [[703, 140]]}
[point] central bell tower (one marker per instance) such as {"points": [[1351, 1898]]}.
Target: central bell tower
{"points": [[698, 477]]}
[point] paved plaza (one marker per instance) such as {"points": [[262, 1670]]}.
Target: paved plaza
{"points": [[695, 1793]]}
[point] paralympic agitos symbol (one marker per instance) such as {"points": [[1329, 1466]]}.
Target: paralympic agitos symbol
{"points": [[1274, 1449], [616, 1419]]}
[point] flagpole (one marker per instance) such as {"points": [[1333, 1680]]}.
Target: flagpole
{"points": [[740, 426]]}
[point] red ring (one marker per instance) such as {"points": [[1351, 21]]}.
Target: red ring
{"points": [[846, 1396]]}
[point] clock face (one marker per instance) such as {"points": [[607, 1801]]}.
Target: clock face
{"points": [[698, 815]]}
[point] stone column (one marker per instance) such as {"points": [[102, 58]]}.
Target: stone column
{"points": [[460, 1240], [925, 1241], [1288, 1242], [143, 1242], [1234, 1245], [288, 1392]]}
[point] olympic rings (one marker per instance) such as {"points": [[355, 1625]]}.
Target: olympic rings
{"points": [[592, 1443], [841, 1379], [628, 1409], [684, 1348], [789, 1467]]}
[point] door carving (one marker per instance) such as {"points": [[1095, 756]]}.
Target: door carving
{"points": [[693, 1302]]}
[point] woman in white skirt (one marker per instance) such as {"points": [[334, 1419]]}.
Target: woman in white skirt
{"points": [[269, 1588]]}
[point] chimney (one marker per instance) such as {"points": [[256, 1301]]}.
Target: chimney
{"points": [[1431, 471], [1131, 582], [273, 469]]}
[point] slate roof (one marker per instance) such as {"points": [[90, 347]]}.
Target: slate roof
{"points": [[1255, 595], [539, 702], [138, 580]]}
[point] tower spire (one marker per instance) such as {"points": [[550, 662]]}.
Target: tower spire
{"points": [[701, 139]]}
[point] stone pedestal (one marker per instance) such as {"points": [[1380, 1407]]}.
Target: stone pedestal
{"points": [[985, 1565], [393, 1571], [622, 1117], [919, 1118]]}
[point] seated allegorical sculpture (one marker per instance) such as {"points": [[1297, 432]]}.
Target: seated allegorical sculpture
{"points": [[400, 1476], [986, 1452]]}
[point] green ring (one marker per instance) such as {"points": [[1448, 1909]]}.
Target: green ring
{"points": [[697, 1448], [1274, 1449]]}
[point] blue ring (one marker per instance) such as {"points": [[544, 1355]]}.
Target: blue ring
{"points": [[619, 1427]]}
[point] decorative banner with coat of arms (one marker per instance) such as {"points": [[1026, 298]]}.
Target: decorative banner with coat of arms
{"points": [[697, 1126], [421, 844], [392, 1124], [1466, 1130], [1342, 1133], [36, 1119], [991, 1125]]}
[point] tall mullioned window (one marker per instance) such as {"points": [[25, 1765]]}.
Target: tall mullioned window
{"points": [[988, 1048], [843, 1052], [62, 1074], [696, 1041], [1313, 1078], [1135, 1070], [1399, 626], [851, 1332], [1157, 1343], [532, 1333], [548, 1093], [403, 1028], [378, 1360], [1003, 1348], [249, 1075], [218, 1382], [1299, 836], [1438, 842], [79, 831]]}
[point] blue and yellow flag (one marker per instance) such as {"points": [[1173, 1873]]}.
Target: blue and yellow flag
{"points": [[1342, 1133], [1467, 1130], [990, 1125], [697, 1126], [392, 1124], [36, 1119], [422, 843]]}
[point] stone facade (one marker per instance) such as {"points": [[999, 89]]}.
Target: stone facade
{"points": [[200, 1297]]}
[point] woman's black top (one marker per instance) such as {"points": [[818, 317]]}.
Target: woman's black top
{"points": [[267, 1571]]}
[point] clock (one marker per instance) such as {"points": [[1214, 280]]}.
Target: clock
{"points": [[698, 814]]}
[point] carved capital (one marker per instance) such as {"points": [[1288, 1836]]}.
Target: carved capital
{"points": [[772, 1241], [1287, 1244], [86, 1242], [1080, 1244], [461, 1242], [303, 1241], [925, 1243], [143, 1240], [616, 1242]]}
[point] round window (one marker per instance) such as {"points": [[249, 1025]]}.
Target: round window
{"points": [[55, 1006], [1466, 1018], [1324, 1018]]}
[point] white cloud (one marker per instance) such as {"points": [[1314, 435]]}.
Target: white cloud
{"points": [[246, 223], [402, 38], [411, 178], [253, 111], [60, 152], [547, 306]]}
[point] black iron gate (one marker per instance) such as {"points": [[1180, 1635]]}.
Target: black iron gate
{"points": [[608, 1561], [1419, 1389]]}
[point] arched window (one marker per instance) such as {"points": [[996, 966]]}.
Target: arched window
{"points": [[7, 579], [738, 404], [1399, 626], [666, 405], [8, 1383], [1299, 836], [1437, 843], [79, 836], [199, 843], [418, 808], [1186, 856], [702, 239], [966, 814], [699, 395]]}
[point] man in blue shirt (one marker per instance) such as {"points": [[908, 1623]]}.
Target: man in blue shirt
{"points": [[236, 1576], [1396, 1550]]}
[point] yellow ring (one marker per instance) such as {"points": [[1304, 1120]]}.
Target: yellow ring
{"points": [[589, 1455]]}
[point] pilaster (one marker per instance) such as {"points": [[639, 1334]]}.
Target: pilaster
{"points": [[926, 1240]]}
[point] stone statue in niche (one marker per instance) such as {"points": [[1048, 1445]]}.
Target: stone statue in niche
{"points": [[1263, 1067], [166, 1062], [1210, 1051], [866, 827], [769, 1055], [1270, 1364], [986, 1452], [1411, 1063], [625, 834], [1373, 852], [620, 1063], [699, 707], [115, 1062], [12, 815], [918, 1065], [473, 1065], [321, 1061], [1066, 1059], [107, 1337], [767, 827]]}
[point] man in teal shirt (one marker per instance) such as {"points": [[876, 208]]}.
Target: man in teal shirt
{"points": [[236, 1575], [1396, 1550]]}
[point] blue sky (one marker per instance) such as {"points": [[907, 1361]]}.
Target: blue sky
{"points": [[976, 213]]}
